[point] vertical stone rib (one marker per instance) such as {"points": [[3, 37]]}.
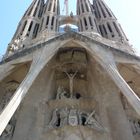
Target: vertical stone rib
{"points": [[109, 65], [41, 60]]}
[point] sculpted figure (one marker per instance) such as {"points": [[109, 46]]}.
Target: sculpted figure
{"points": [[71, 77], [61, 93], [93, 123], [54, 120], [64, 117], [73, 117]]}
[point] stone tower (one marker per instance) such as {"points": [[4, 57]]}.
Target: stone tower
{"points": [[86, 17], [69, 84]]}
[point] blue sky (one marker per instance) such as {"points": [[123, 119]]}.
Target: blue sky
{"points": [[127, 12]]}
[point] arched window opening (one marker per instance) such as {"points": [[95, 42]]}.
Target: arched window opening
{"points": [[82, 8], [90, 21], [24, 26], [52, 22], [81, 25], [87, 8], [47, 21], [85, 21], [50, 7], [107, 9], [35, 30], [117, 29], [35, 11], [105, 31], [29, 29], [98, 11], [29, 13], [109, 27], [101, 30], [54, 8], [40, 11], [103, 12]]}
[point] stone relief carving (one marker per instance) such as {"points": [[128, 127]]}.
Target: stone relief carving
{"points": [[10, 89], [135, 125], [75, 117], [9, 130], [63, 94]]}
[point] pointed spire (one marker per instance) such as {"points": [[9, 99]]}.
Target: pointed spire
{"points": [[86, 16], [30, 19], [50, 16], [28, 26], [108, 25]]}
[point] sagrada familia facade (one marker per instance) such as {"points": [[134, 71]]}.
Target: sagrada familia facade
{"points": [[78, 84]]}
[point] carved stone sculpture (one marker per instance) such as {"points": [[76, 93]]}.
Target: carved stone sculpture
{"points": [[9, 130], [93, 123], [73, 117], [64, 117], [135, 125], [54, 119], [61, 93]]}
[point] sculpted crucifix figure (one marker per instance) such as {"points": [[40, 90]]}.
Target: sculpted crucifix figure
{"points": [[71, 77]]}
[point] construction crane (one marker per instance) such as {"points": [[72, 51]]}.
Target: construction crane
{"points": [[66, 7]]}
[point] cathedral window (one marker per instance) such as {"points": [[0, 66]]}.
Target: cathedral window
{"points": [[56, 25], [47, 21], [109, 27], [54, 8], [82, 8], [107, 10], [25, 23], [29, 13], [104, 29], [117, 29], [35, 30], [35, 11], [87, 8], [52, 22], [98, 11], [40, 11], [50, 7], [81, 25], [29, 29], [85, 21], [101, 30], [90, 21], [103, 12]]}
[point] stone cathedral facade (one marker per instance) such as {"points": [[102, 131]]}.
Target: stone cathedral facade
{"points": [[75, 84]]}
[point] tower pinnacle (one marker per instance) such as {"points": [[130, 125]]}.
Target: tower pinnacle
{"points": [[50, 16], [107, 23], [86, 16]]}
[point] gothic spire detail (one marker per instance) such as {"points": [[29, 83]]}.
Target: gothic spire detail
{"points": [[50, 16], [28, 26], [108, 25], [86, 16]]}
